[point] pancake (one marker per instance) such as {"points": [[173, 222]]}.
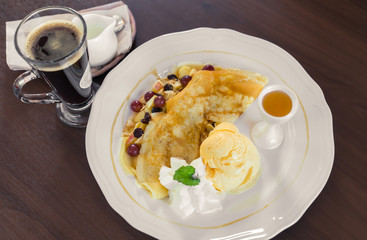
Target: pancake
{"points": [[210, 97]]}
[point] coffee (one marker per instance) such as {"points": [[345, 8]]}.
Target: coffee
{"points": [[64, 66]]}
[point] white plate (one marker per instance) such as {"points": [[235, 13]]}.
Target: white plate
{"points": [[292, 175]]}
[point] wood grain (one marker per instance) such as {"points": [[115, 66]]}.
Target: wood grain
{"points": [[47, 190]]}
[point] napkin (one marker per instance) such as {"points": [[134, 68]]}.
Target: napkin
{"points": [[125, 37]]}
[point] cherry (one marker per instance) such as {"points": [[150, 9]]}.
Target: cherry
{"points": [[159, 101], [148, 95], [185, 80], [208, 67], [136, 106], [133, 150]]}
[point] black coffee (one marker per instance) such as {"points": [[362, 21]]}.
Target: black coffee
{"points": [[51, 43]]}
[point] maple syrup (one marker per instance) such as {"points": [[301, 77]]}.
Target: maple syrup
{"points": [[277, 103]]}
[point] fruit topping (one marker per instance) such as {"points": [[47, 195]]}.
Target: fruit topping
{"points": [[138, 132], [156, 109], [157, 86], [136, 106], [172, 77], [159, 101], [168, 87], [185, 80], [146, 118], [208, 67], [184, 70], [169, 94], [130, 140], [133, 150], [148, 95]]}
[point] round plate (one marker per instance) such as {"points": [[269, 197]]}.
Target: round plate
{"points": [[292, 175]]}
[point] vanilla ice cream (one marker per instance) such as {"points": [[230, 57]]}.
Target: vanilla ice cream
{"points": [[231, 160]]}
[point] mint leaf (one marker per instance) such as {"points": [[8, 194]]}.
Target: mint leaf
{"points": [[184, 176]]}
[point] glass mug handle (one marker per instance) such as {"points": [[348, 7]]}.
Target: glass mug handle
{"points": [[22, 80]]}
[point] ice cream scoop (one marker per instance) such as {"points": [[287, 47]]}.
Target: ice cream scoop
{"points": [[231, 160]]}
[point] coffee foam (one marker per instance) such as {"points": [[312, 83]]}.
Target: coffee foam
{"points": [[64, 62]]}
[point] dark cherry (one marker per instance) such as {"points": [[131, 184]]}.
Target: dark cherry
{"points": [[136, 106], [133, 150], [159, 101], [185, 80], [208, 67], [148, 95], [138, 132]]}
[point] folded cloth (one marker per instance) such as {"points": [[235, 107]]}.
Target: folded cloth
{"points": [[125, 37]]}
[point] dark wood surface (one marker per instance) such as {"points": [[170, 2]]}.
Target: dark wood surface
{"points": [[47, 190]]}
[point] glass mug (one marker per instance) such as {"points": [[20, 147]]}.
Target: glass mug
{"points": [[52, 40]]}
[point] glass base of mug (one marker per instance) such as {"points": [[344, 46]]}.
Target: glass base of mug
{"points": [[74, 116]]}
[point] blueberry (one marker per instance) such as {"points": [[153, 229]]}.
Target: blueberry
{"points": [[168, 87], [172, 76], [156, 109], [138, 132], [146, 118]]}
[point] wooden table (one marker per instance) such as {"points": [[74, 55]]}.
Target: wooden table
{"points": [[47, 190]]}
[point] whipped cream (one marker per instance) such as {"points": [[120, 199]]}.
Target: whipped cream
{"points": [[185, 200]]}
